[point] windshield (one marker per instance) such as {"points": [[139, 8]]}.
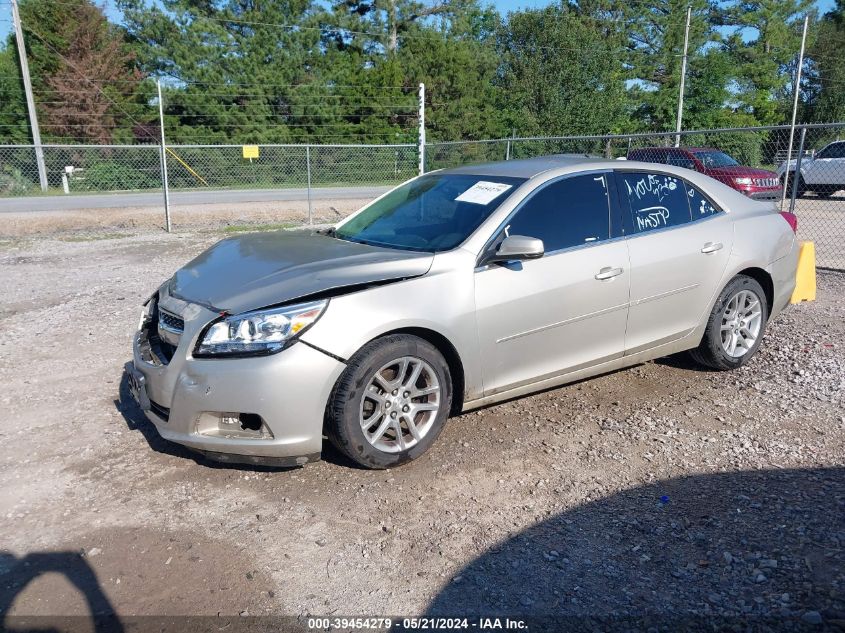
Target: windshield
{"points": [[715, 159], [432, 213]]}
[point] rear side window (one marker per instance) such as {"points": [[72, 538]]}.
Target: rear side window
{"points": [[566, 213], [700, 206], [652, 201]]}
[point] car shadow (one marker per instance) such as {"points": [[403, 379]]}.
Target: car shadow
{"points": [[18, 573], [728, 551], [682, 360]]}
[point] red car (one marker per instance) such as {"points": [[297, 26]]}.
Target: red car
{"points": [[759, 184]]}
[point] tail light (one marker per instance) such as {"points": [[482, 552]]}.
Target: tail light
{"points": [[791, 219]]}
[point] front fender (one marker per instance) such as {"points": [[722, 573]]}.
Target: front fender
{"points": [[442, 301]]}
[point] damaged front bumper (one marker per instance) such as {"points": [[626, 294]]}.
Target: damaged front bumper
{"points": [[264, 410]]}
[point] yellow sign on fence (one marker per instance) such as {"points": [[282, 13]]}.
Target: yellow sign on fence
{"points": [[250, 151]]}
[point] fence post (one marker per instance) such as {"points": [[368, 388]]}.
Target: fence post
{"points": [[422, 129], [164, 183], [30, 100], [795, 99], [308, 173], [680, 116], [796, 177]]}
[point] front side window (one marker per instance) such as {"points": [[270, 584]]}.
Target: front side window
{"points": [[569, 212], [715, 159], [432, 213], [834, 150], [652, 201]]}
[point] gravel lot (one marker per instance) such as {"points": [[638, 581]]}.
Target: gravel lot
{"points": [[655, 493]]}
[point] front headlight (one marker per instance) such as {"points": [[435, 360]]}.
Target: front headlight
{"points": [[259, 332], [742, 181]]}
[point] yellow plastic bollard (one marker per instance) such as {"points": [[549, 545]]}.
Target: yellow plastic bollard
{"points": [[805, 277]]}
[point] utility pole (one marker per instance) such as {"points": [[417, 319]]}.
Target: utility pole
{"points": [[683, 80], [164, 183], [796, 176], [30, 100], [422, 129]]}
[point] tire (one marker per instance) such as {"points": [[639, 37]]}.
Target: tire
{"points": [[372, 413], [713, 352], [825, 192], [802, 188]]}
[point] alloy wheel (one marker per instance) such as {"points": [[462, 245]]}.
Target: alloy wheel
{"points": [[742, 321], [400, 404]]}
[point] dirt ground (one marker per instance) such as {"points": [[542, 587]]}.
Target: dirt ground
{"points": [[657, 492]]}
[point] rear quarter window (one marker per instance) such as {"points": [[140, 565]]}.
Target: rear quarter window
{"points": [[700, 205]]}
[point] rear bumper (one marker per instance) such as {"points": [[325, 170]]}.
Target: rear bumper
{"points": [[783, 272], [187, 398]]}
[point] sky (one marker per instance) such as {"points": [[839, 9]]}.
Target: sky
{"points": [[504, 6]]}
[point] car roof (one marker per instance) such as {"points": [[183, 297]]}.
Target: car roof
{"points": [[542, 168]]}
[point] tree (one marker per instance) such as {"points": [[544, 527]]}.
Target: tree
{"points": [[14, 124], [825, 83], [762, 63], [83, 74], [236, 71], [655, 55]]}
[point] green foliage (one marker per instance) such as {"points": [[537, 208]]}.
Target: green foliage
{"points": [[347, 71], [13, 182], [825, 84], [114, 176], [13, 119], [764, 65], [561, 73]]}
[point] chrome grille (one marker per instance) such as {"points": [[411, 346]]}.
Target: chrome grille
{"points": [[170, 322], [766, 182]]}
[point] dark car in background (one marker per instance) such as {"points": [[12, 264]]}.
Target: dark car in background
{"points": [[759, 184]]}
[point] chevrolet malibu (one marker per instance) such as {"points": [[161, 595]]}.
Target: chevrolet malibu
{"points": [[457, 289]]}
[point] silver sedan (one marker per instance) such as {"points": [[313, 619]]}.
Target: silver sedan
{"points": [[455, 290]]}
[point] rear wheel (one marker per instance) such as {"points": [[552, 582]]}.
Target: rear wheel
{"points": [[735, 326], [391, 403], [825, 191]]}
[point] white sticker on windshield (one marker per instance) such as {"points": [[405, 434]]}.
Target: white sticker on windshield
{"points": [[483, 192]]}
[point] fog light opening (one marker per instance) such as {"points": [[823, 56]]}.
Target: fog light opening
{"points": [[251, 421]]}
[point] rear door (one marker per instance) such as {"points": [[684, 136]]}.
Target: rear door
{"points": [[679, 243], [544, 317]]}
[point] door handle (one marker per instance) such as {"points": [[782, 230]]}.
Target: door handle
{"points": [[608, 273], [711, 247]]}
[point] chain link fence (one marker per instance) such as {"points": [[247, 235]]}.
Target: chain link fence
{"points": [[760, 162], [74, 169]]}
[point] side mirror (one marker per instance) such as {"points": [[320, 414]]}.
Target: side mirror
{"points": [[518, 248]]}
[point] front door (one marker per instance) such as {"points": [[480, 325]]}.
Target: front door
{"points": [[827, 168], [545, 317]]}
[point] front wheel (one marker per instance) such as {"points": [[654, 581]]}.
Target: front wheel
{"points": [[391, 402], [735, 326]]}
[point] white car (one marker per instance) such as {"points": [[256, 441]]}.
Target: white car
{"points": [[822, 173]]}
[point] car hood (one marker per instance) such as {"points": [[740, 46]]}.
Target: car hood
{"points": [[738, 171], [261, 269]]}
